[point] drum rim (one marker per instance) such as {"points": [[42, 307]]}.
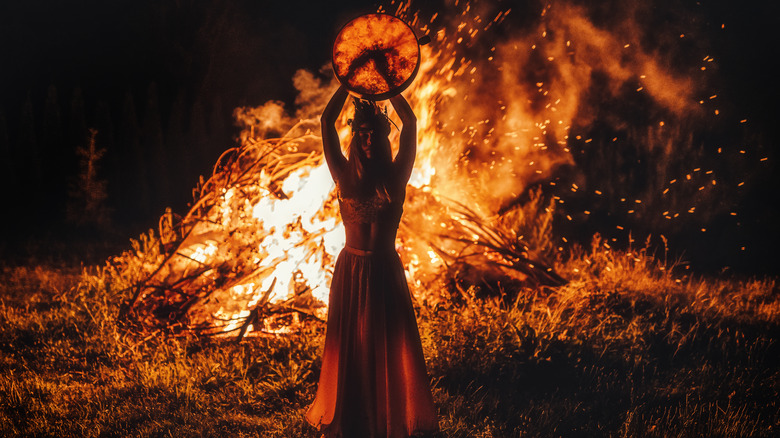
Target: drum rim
{"points": [[392, 92]]}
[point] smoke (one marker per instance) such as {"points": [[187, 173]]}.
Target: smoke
{"points": [[499, 102], [567, 98], [313, 92], [266, 121], [498, 97], [597, 98]]}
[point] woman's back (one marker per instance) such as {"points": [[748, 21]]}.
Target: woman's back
{"points": [[371, 222]]}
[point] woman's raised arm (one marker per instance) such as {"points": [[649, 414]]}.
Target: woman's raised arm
{"points": [[331, 146], [407, 147]]}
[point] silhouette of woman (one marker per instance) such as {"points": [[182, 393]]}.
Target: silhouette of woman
{"points": [[373, 381]]}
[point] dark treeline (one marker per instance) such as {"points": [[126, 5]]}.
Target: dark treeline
{"points": [[157, 81], [148, 152]]}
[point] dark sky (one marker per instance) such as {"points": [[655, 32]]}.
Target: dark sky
{"points": [[246, 50], [101, 45]]}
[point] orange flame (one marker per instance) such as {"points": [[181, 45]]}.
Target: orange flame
{"points": [[487, 129]]}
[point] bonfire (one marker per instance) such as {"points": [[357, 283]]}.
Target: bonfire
{"points": [[254, 253]]}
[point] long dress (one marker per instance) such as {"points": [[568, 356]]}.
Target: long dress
{"points": [[373, 381]]}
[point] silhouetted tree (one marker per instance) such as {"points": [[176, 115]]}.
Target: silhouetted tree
{"points": [[87, 206]]}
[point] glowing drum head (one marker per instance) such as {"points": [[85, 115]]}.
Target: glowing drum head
{"points": [[376, 56]]}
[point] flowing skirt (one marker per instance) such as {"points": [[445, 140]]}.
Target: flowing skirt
{"points": [[373, 381]]}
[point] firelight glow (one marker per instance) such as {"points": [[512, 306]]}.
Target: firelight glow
{"points": [[267, 230]]}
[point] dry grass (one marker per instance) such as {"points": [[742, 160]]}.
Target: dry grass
{"points": [[630, 347]]}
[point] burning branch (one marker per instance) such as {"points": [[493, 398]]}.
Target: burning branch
{"points": [[214, 261], [258, 245], [255, 250], [501, 246], [470, 248]]}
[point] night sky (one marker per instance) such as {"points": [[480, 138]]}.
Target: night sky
{"points": [[170, 72]]}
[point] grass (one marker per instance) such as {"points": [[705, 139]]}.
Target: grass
{"points": [[630, 347]]}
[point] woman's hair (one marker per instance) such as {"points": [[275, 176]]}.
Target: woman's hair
{"points": [[369, 175]]}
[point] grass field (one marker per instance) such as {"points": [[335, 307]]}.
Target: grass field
{"points": [[630, 347]]}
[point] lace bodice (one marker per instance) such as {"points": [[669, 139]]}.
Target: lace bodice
{"points": [[366, 210], [362, 211]]}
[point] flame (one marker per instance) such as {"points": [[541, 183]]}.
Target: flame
{"points": [[489, 127]]}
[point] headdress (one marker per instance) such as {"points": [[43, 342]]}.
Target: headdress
{"points": [[368, 115]]}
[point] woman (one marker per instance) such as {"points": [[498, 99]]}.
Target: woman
{"points": [[373, 381]]}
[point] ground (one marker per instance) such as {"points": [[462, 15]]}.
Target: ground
{"points": [[630, 347]]}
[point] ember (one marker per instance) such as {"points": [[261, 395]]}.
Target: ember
{"points": [[259, 242]]}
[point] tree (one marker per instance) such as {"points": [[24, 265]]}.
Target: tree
{"points": [[87, 206]]}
